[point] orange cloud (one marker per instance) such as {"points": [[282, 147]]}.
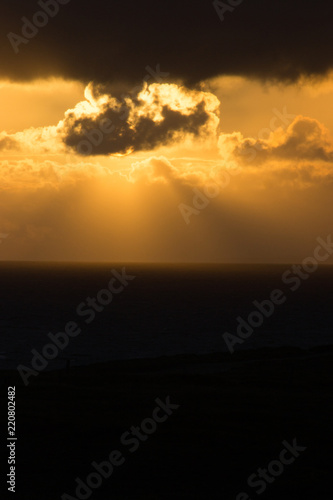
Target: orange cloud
{"points": [[305, 139]]}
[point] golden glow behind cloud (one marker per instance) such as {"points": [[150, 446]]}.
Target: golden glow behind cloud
{"points": [[58, 204], [156, 115]]}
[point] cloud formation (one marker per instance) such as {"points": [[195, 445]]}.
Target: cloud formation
{"points": [[305, 139], [34, 140], [81, 212], [156, 115], [114, 41], [103, 124]]}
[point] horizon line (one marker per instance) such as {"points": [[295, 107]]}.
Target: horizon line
{"points": [[160, 263]]}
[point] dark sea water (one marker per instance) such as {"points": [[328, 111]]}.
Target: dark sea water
{"points": [[165, 310]]}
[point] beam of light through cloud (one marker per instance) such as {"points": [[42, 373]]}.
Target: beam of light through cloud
{"points": [[121, 201]]}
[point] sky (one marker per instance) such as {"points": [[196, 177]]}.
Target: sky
{"points": [[180, 132]]}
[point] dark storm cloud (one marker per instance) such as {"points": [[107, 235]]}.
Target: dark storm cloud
{"points": [[134, 125], [114, 40]]}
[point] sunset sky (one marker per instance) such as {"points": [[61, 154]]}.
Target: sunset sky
{"points": [[132, 132]]}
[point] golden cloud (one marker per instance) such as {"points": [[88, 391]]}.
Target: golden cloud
{"points": [[305, 139]]}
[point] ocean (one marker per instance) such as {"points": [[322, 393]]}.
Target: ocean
{"points": [[165, 310], [107, 339]]}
